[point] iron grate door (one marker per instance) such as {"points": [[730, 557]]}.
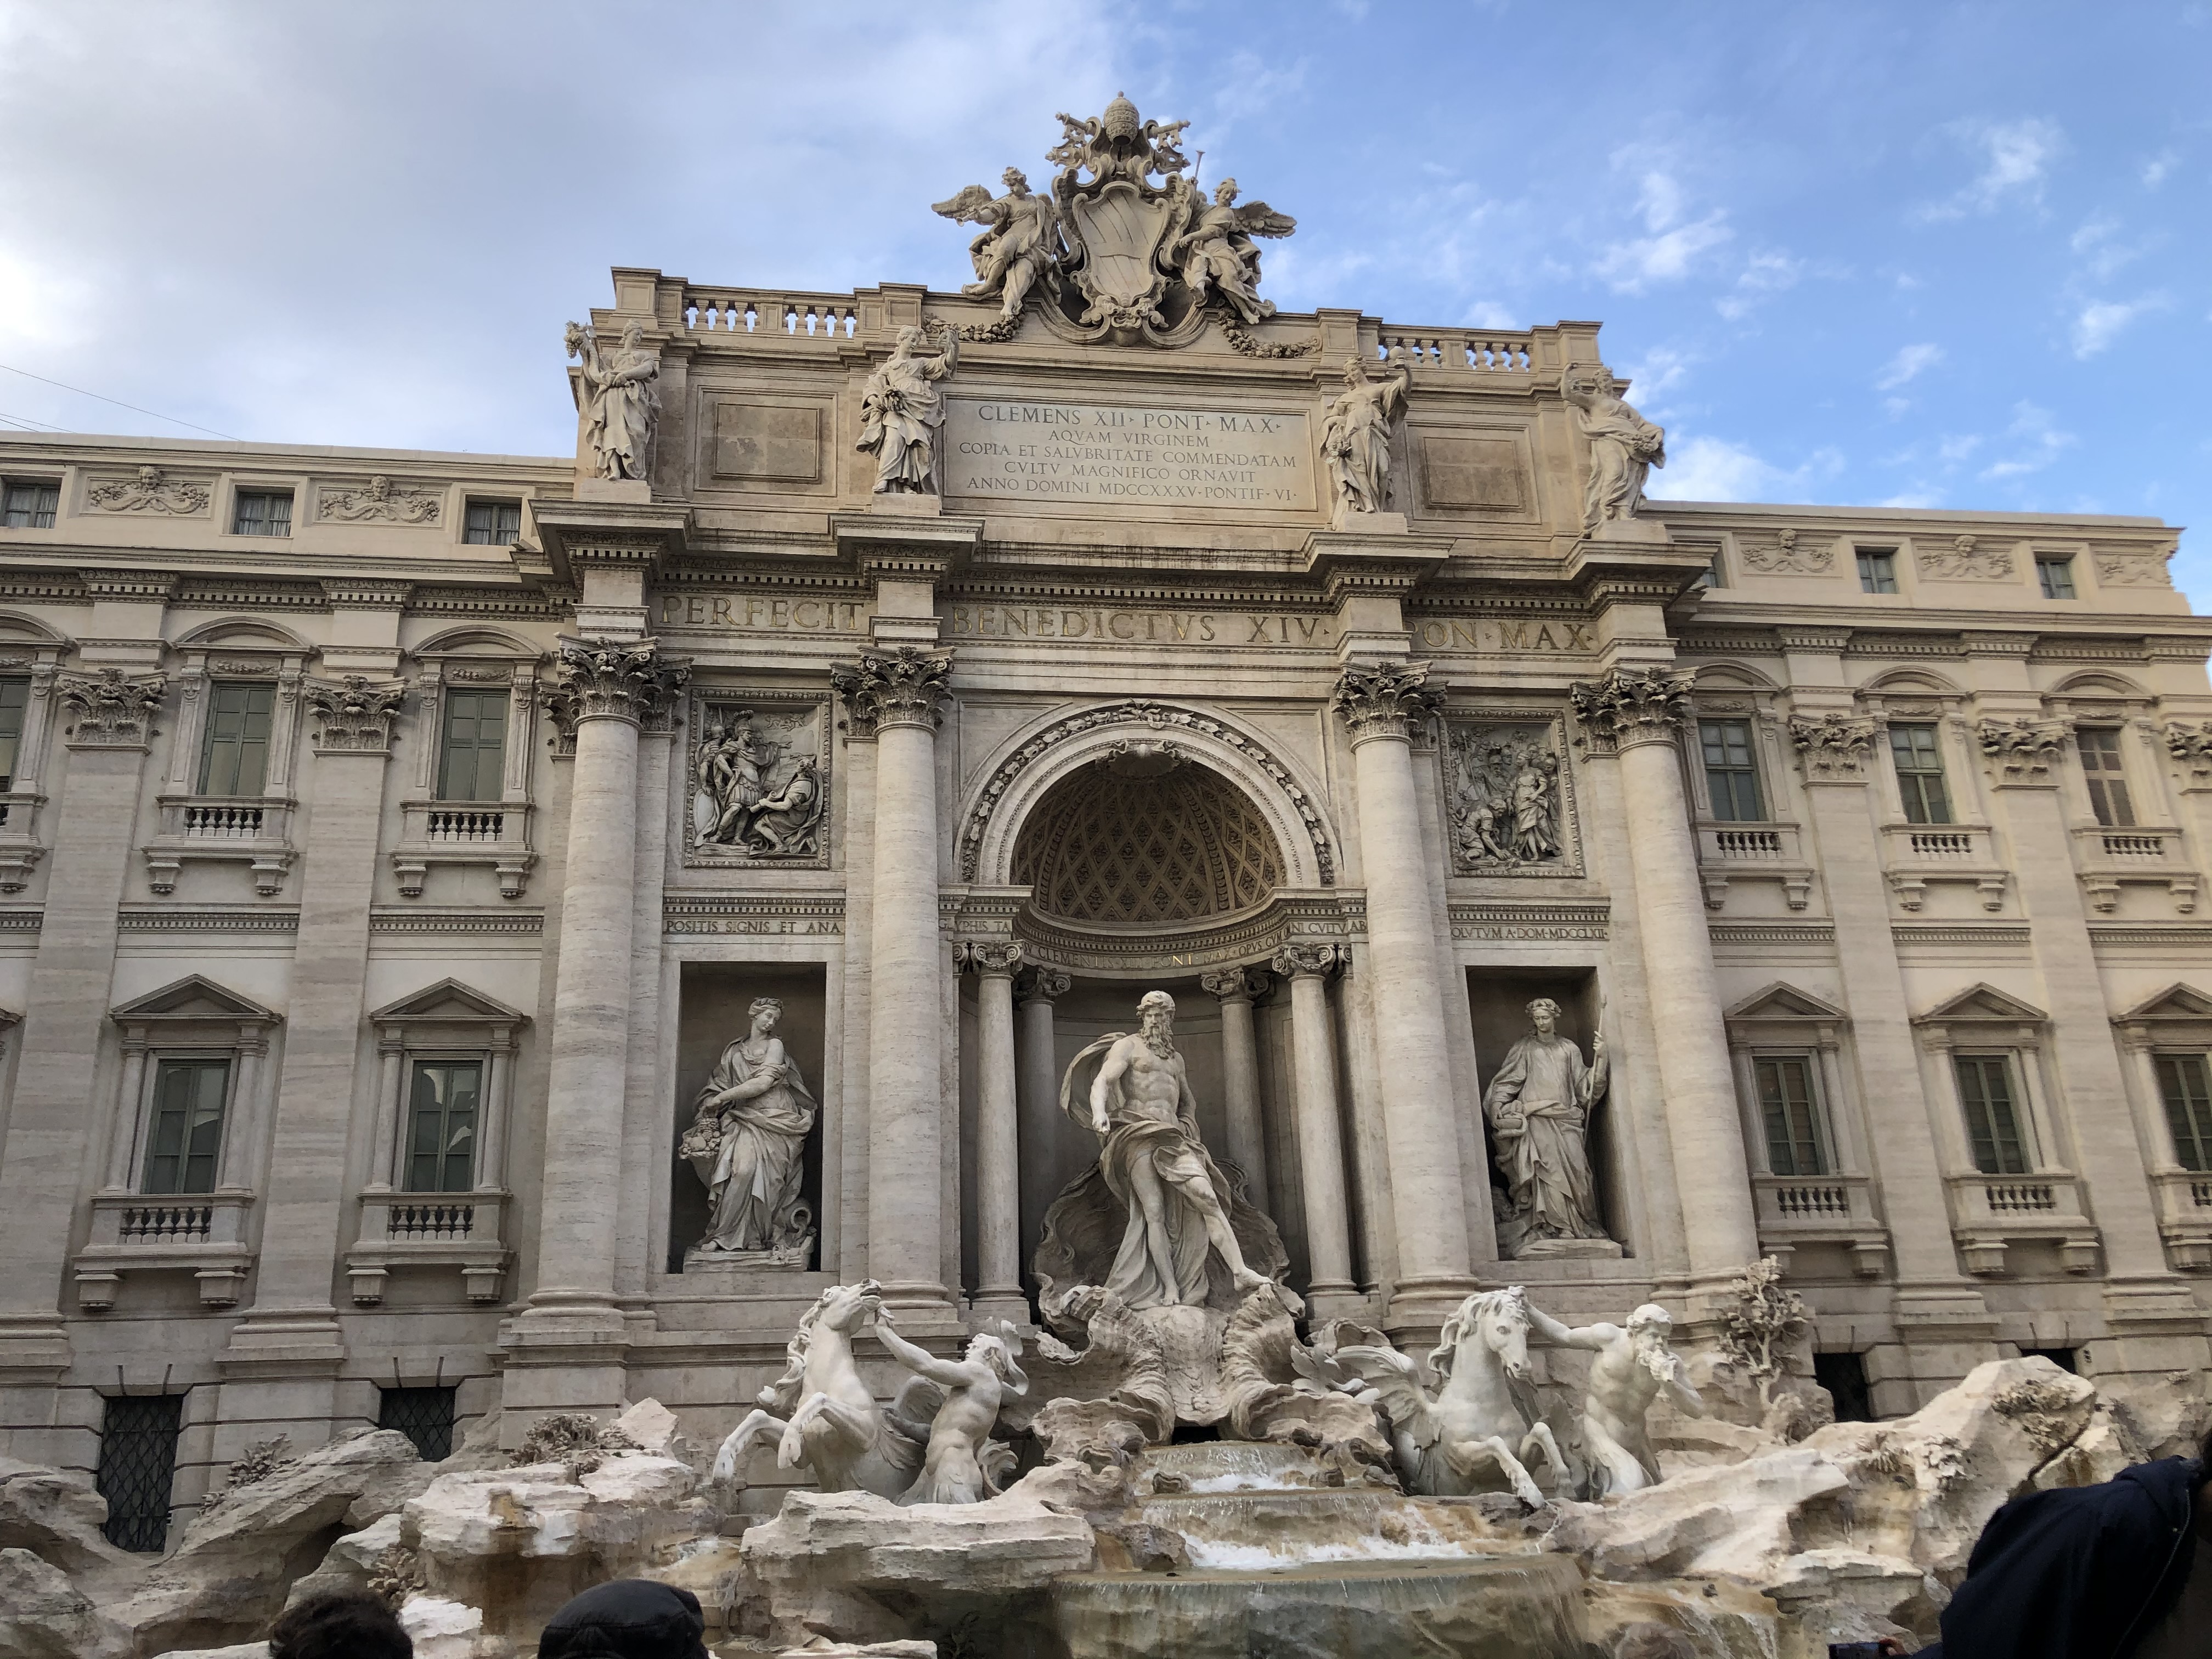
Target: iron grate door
{"points": [[424, 1416], [137, 1466]]}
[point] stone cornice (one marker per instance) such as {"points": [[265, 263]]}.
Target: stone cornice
{"points": [[368, 593], [638, 534], [143, 584], [885, 545]]}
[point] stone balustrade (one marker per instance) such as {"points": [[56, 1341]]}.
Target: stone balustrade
{"points": [[135, 1232]]}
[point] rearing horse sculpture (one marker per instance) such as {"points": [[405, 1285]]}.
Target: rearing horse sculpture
{"points": [[827, 1416], [1481, 1424]]}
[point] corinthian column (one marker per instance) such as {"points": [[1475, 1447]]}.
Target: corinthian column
{"points": [[1037, 1091], [1637, 714], [894, 696], [1379, 706], [998, 1134], [1240, 1074], [1321, 1137], [610, 687]]}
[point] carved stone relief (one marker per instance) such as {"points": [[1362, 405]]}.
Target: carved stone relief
{"points": [[759, 784], [379, 500], [1786, 555], [2135, 569], [1965, 559], [1509, 797], [151, 490]]}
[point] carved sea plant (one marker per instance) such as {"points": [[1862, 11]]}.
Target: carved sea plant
{"points": [[1767, 1321], [577, 1441]]}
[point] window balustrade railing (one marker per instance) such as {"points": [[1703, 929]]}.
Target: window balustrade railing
{"points": [[1461, 348]]}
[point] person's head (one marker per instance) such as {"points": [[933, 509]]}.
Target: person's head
{"points": [[1016, 181], [346, 1625], [1156, 1011], [1650, 1328], [764, 1014], [993, 1352], [633, 336], [1225, 193], [628, 1618], [1544, 1014]]}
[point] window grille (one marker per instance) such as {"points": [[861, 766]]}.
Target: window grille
{"points": [[424, 1415], [2108, 778], [442, 1137], [1877, 570], [262, 513], [234, 754], [1992, 1122], [1731, 773], [2056, 576], [137, 1467], [1786, 1103], [187, 1134], [30, 506], [492, 524], [1920, 773], [2181, 1080], [472, 759]]}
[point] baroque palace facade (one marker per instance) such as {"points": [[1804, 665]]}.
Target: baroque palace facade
{"points": [[399, 849]]}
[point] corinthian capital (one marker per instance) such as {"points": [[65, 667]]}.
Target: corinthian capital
{"points": [[1630, 705], [109, 709], [2022, 749], [1833, 747], [614, 679], [905, 687], [1388, 701], [354, 714]]}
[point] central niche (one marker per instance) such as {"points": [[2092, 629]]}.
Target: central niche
{"points": [[1146, 837]]}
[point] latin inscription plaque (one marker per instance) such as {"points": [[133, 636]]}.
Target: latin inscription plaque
{"points": [[1184, 456]]}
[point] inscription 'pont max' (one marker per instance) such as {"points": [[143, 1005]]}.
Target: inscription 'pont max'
{"points": [[1106, 455]]}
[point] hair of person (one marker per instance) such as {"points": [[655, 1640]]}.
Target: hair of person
{"points": [[344, 1625], [627, 1618], [760, 1004]]}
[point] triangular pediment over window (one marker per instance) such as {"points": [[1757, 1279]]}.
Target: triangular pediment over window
{"points": [[193, 998], [2175, 1002], [449, 1000], [1985, 1002], [1784, 1002]]}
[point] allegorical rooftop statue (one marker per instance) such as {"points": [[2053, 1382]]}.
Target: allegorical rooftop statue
{"points": [[1355, 435], [620, 401], [1539, 1106], [901, 410], [1624, 446], [1216, 255], [1021, 248]]}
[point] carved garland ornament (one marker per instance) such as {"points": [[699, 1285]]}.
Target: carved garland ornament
{"points": [[151, 491], [2024, 749], [355, 713], [110, 708], [1965, 561], [614, 679], [2135, 569], [1831, 746], [380, 499], [1386, 702], [1159, 717], [1786, 558], [1630, 705], [905, 687]]}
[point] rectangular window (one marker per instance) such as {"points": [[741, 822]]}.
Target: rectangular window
{"points": [[424, 1415], [2056, 573], [234, 754], [442, 1134], [1992, 1124], [2181, 1080], [492, 524], [2100, 749], [1731, 775], [1844, 1376], [1920, 773], [137, 1467], [30, 506], [187, 1133], [1877, 570], [1785, 1105], [473, 755], [262, 513], [14, 701]]}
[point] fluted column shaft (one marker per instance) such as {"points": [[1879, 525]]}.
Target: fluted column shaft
{"points": [[1434, 1266], [1321, 1141], [1240, 1076], [1037, 1092], [998, 1135], [614, 685], [1639, 714]]}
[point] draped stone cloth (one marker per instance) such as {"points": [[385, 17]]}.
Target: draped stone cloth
{"points": [[1539, 1105], [753, 1191]]}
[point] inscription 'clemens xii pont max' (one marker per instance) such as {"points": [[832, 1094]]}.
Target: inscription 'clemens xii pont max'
{"points": [[1109, 455]]}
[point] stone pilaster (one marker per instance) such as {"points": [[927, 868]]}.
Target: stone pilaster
{"points": [[107, 722], [998, 1133], [608, 688], [1331, 1291], [1235, 988], [284, 1354], [1637, 715], [1379, 705], [895, 695], [1944, 1325], [1038, 1090]]}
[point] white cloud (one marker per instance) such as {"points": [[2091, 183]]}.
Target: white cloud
{"points": [[1706, 468], [2156, 169], [1657, 373], [1627, 267], [1768, 272], [1908, 365], [2038, 443], [2016, 156], [2100, 321]]}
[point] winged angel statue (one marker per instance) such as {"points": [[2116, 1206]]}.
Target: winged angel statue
{"points": [[1021, 247], [1216, 254]]}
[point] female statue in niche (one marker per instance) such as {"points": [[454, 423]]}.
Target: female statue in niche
{"points": [[754, 1115], [1539, 1106]]}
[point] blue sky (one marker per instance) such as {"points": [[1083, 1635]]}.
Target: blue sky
{"points": [[1949, 255]]}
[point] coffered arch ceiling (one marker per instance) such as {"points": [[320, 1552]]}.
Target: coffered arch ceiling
{"points": [[1122, 845]]}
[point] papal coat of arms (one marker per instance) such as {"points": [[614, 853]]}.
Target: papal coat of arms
{"points": [[1125, 248]]}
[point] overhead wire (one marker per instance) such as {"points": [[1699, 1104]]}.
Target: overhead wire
{"points": [[118, 402]]}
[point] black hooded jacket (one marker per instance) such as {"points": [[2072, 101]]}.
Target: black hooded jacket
{"points": [[2083, 1572]]}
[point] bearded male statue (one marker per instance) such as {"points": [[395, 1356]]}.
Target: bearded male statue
{"points": [[1633, 1364]]}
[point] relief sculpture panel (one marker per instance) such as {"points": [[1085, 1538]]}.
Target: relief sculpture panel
{"points": [[759, 781], [1509, 794]]}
